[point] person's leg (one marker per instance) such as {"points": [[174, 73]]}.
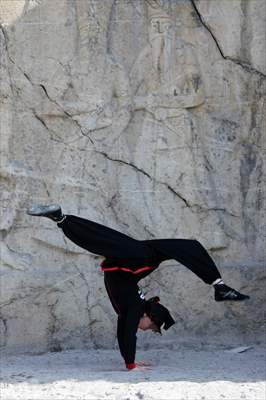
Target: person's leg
{"points": [[189, 253], [194, 256], [92, 236]]}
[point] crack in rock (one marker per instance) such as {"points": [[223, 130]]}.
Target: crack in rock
{"points": [[40, 119], [41, 86], [49, 130], [201, 209], [246, 66], [191, 206], [5, 333], [68, 115], [10, 58], [146, 174]]}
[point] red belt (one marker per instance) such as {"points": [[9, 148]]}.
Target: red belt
{"points": [[137, 271]]}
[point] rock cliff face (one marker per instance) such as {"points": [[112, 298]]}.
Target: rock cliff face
{"points": [[147, 116]]}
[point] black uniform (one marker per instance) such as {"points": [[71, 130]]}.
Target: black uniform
{"points": [[126, 262]]}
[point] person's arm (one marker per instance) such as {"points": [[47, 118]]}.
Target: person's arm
{"points": [[129, 341], [120, 334]]}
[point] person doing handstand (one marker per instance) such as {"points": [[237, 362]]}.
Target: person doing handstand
{"points": [[126, 262]]}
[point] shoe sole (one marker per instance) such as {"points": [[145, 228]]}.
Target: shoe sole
{"points": [[39, 210], [247, 298]]}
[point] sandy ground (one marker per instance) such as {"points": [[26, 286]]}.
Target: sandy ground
{"points": [[174, 375]]}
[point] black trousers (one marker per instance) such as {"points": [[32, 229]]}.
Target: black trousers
{"points": [[140, 257]]}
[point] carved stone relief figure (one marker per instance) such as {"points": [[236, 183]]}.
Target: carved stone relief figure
{"points": [[167, 83]]}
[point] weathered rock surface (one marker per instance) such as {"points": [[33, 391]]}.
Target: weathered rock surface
{"points": [[146, 116]]}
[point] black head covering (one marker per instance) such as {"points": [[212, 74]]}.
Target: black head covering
{"points": [[159, 314]]}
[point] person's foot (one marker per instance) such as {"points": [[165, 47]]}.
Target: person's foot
{"points": [[52, 211], [225, 293]]}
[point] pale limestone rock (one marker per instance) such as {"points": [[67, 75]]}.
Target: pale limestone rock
{"points": [[11, 10], [146, 116], [15, 261], [239, 28]]}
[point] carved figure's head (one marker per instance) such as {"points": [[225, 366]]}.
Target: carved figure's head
{"points": [[161, 33], [160, 23]]}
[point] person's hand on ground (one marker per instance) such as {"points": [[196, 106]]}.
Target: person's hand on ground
{"points": [[138, 365], [143, 364]]}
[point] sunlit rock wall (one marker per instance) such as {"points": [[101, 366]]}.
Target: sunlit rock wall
{"points": [[146, 116]]}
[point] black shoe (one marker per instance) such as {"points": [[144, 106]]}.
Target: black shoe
{"points": [[223, 293], [52, 211]]}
